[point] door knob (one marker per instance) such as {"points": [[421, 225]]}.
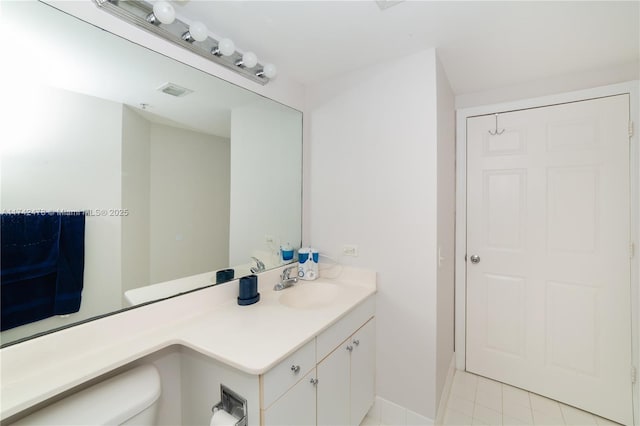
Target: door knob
{"points": [[295, 369], [313, 381], [475, 259]]}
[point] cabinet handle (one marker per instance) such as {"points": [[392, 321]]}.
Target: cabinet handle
{"points": [[356, 342], [295, 369], [313, 381], [349, 348]]}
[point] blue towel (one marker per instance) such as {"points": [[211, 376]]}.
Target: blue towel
{"points": [[42, 266]]}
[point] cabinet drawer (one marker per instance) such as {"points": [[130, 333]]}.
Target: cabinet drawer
{"points": [[276, 381], [297, 407], [345, 327]]}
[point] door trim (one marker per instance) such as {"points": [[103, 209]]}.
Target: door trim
{"points": [[633, 89]]}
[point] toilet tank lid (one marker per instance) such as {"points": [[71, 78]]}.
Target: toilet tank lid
{"points": [[110, 402]]}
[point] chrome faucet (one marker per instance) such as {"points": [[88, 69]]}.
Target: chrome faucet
{"points": [[286, 280], [259, 265]]}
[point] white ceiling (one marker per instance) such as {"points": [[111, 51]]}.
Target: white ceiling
{"points": [[482, 45]]}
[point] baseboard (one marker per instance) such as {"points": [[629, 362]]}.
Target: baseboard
{"points": [[446, 391], [387, 413]]}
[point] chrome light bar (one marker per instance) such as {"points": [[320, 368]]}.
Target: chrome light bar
{"points": [[138, 12]]}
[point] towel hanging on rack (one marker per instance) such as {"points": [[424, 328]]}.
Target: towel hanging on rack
{"points": [[41, 266]]}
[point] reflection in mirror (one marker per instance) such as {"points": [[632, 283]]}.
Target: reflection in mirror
{"points": [[178, 174]]}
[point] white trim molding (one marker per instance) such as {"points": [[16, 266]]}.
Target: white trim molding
{"points": [[633, 89], [385, 412], [446, 392]]}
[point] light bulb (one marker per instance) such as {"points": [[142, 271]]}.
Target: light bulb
{"points": [[249, 59], [164, 12], [226, 47], [270, 70], [198, 31]]}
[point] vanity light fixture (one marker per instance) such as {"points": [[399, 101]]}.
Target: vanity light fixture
{"points": [[248, 60], [197, 32], [225, 47], [268, 71], [163, 12], [160, 19]]}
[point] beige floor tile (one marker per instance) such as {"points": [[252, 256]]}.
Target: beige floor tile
{"points": [[489, 386], [517, 411], [461, 405], [464, 390], [545, 405], [369, 421], [465, 378], [455, 418], [487, 415], [476, 400], [489, 399], [605, 422], [574, 417], [545, 419], [512, 421], [515, 396]]}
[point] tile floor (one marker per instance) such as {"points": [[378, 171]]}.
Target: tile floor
{"points": [[475, 400]]}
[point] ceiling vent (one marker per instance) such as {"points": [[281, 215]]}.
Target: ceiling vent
{"points": [[174, 90], [386, 4]]}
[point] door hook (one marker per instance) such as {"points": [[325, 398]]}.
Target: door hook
{"points": [[496, 131]]}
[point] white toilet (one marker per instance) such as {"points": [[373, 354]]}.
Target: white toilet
{"points": [[129, 398]]}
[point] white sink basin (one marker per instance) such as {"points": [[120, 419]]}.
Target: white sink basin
{"points": [[309, 295]]}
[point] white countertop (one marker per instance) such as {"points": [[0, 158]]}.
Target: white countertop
{"points": [[169, 288], [250, 338]]}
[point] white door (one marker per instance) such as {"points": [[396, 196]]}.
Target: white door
{"points": [[548, 303]]}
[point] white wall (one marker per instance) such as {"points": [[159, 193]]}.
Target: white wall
{"points": [[265, 179], [136, 188], [189, 211], [551, 86], [51, 161], [446, 229], [374, 183]]}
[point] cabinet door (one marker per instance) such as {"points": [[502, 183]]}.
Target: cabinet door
{"points": [[363, 370], [333, 387], [297, 407]]}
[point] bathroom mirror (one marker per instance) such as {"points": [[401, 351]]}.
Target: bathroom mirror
{"points": [[177, 173]]}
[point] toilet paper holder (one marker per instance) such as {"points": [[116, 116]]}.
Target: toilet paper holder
{"points": [[233, 404]]}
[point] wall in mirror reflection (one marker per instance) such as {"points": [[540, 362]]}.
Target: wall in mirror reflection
{"points": [[158, 194]]}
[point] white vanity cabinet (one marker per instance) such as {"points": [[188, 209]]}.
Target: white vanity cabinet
{"points": [[288, 392], [297, 407], [338, 388], [282, 366], [346, 379], [362, 372], [333, 405]]}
